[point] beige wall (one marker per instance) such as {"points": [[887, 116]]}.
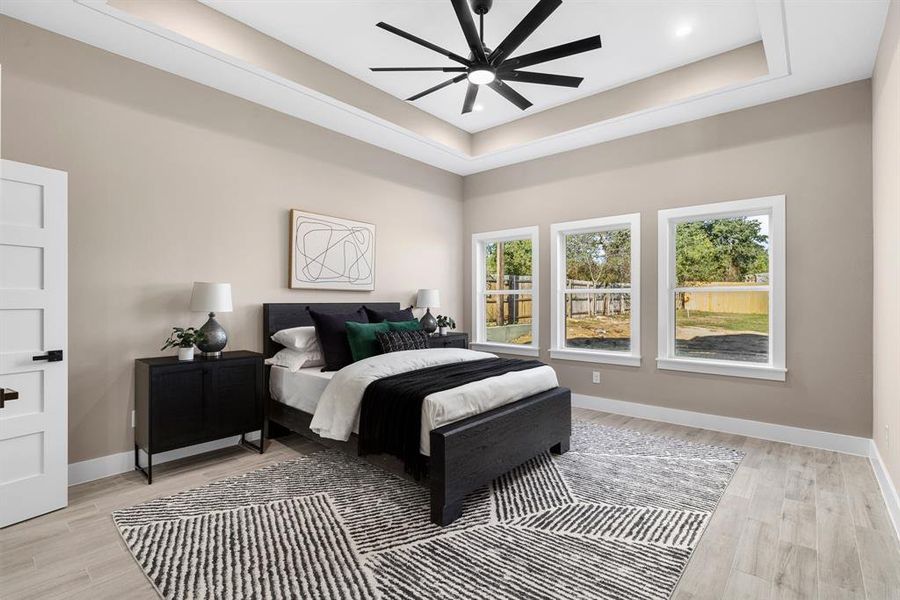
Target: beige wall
{"points": [[886, 209], [171, 182], [815, 149]]}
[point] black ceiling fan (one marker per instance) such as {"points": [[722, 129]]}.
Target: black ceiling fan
{"points": [[492, 67]]}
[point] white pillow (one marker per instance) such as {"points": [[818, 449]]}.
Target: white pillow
{"points": [[293, 360], [298, 338]]}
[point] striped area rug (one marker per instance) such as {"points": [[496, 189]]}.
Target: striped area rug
{"points": [[617, 517]]}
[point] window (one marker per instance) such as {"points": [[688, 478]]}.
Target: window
{"points": [[596, 290], [721, 288], [505, 291]]}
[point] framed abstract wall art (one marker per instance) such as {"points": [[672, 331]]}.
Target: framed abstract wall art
{"points": [[331, 253]]}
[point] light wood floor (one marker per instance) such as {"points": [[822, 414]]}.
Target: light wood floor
{"points": [[794, 523]]}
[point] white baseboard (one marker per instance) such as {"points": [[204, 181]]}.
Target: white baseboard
{"points": [[123, 462], [887, 486], [825, 440]]}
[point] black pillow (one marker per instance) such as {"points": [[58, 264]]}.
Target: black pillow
{"points": [[377, 316], [396, 341], [332, 334]]}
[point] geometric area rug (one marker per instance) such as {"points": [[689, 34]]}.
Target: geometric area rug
{"points": [[616, 517]]}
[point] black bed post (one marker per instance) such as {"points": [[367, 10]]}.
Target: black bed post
{"points": [[446, 504], [560, 448]]}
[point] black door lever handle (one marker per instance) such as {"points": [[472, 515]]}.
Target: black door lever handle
{"points": [[51, 356], [7, 394]]}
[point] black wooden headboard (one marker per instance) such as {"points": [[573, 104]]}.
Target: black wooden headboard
{"points": [[286, 315]]}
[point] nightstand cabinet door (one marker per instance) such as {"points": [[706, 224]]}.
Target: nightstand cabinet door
{"points": [[178, 410], [229, 412], [451, 340]]}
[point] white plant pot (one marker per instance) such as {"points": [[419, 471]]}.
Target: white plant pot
{"points": [[442, 331], [186, 353]]}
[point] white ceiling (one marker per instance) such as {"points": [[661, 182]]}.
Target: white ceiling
{"points": [[640, 38]]}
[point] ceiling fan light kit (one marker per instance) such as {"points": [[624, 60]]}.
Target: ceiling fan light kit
{"points": [[481, 76], [492, 68]]}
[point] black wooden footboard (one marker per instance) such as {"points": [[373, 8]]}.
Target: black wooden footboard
{"points": [[473, 452]]}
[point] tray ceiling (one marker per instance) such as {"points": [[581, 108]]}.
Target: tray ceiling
{"points": [[805, 45], [639, 39]]}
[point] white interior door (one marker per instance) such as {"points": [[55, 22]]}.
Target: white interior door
{"points": [[33, 324]]}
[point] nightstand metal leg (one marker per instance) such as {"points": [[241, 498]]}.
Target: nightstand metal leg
{"points": [[148, 472], [251, 446]]}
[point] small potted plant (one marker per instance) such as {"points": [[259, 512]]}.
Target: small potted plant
{"points": [[444, 323], [184, 340]]}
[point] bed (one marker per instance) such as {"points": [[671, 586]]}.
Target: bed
{"points": [[462, 455]]}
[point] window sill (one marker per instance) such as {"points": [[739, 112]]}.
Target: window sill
{"points": [[729, 369], [505, 348], [595, 356]]}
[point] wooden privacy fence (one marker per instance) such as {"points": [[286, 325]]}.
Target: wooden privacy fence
{"points": [[745, 303], [590, 305], [593, 304], [505, 309], [509, 308], [737, 302]]}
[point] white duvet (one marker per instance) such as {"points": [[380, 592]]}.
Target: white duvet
{"points": [[337, 413]]}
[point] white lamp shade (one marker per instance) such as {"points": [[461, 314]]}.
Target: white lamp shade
{"points": [[211, 297], [428, 299]]}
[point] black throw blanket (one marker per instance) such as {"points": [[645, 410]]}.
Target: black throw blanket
{"points": [[391, 414]]}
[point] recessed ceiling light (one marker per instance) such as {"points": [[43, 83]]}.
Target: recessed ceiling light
{"points": [[684, 30], [478, 108]]}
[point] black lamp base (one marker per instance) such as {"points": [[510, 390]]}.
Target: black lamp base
{"points": [[214, 338], [428, 322]]}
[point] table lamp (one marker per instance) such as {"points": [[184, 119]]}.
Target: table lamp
{"points": [[428, 299], [211, 298]]}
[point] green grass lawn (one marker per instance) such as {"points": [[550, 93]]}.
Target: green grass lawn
{"points": [[727, 321]]}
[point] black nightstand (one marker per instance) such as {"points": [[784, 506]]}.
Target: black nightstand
{"points": [[181, 403], [451, 340]]}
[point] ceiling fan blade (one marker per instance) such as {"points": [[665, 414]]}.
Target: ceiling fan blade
{"points": [[469, 102], [439, 86], [525, 28], [469, 30], [561, 51], [543, 78], [444, 69], [510, 94], [427, 44]]}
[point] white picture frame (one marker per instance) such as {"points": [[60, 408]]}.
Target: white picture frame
{"points": [[331, 253]]}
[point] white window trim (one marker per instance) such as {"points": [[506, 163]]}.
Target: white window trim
{"points": [[773, 206], [478, 290], [558, 232]]}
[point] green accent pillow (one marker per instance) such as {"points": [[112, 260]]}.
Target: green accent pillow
{"points": [[404, 325], [362, 340]]}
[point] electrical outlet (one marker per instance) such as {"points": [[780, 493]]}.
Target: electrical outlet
{"points": [[132, 419], [595, 377]]}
